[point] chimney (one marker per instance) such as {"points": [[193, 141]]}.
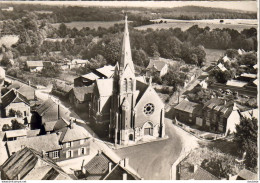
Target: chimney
{"points": [[29, 83], [99, 152], [58, 110], [43, 153], [150, 81], [19, 176], [195, 168], [124, 176], [71, 124], [126, 161], [109, 167], [225, 102]]}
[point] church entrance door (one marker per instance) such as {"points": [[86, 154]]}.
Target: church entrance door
{"points": [[148, 131]]}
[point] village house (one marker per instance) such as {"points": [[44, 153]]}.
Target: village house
{"points": [[29, 164], [75, 141], [13, 103], [49, 111], [132, 108], [10, 8], [244, 175], [25, 90], [102, 167], [76, 63], [188, 112], [85, 80], [36, 66], [61, 89], [80, 97], [105, 72], [159, 65], [2, 76], [68, 142], [216, 115]]}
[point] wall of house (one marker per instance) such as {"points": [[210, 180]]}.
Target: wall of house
{"points": [[164, 70], [22, 107], [75, 149], [184, 117], [232, 121]]}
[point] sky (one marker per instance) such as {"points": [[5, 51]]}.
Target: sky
{"points": [[236, 5]]}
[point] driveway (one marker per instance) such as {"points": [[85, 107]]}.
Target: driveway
{"points": [[153, 160]]}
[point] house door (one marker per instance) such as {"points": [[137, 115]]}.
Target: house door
{"points": [[148, 131]]}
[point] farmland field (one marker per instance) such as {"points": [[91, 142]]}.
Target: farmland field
{"points": [[90, 24], [238, 24], [212, 55]]}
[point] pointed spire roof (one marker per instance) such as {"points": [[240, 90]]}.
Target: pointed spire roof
{"points": [[126, 56]]}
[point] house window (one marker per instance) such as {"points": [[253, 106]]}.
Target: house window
{"points": [[69, 154], [190, 115], [55, 155], [81, 141], [83, 151], [69, 144], [47, 154], [24, 112]]}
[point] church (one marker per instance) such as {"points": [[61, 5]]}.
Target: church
{"points": [[128, 103]]}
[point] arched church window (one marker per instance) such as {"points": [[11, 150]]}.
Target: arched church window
{"points": [[130, 84], [125, 85]]}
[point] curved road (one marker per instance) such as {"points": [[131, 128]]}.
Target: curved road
{"points": [[153, 160]]}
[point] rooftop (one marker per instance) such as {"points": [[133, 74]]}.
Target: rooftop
{"points": [[90, 76], [13, 96], [80, 92], [248, 75], [236, 83], [221, 67], [247, 175], [44, 142], [186, 106], [34, 63], [15, 133], [107, 70], [31, 165], [105, 86]]}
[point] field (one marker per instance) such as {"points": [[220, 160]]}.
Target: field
{"points": [[237, 24], [8, 40], [90, 24]]}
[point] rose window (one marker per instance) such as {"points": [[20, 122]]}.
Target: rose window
{"points": [[148, 109]]}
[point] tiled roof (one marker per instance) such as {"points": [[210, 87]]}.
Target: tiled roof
{"points": [[44, 142], [27, 91], [31, 165], [45, 106], [13, 96], [247, 175], [33, 133], [186, 106], [15, 85], [73, 132], [202, 174], [117, 174], [80, 92], [97, 168], [105, 86]]}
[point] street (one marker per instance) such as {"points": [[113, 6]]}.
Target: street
{"points": [[153, 160]]}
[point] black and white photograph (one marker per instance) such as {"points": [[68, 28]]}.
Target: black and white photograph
{"points": [[129, 90]]}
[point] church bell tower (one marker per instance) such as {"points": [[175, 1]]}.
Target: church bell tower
{"points": [[124, 94]]}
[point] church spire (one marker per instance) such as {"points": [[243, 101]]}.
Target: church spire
{"points": [[126, 56]]}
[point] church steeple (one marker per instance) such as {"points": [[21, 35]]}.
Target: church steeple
{"points": [[126, 56]]}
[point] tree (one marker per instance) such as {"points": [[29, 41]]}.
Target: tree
{"points": [[6, 127], [246, 136], [220, 76], [231, 53], [63, 30], [51, 70], [16, 125]]}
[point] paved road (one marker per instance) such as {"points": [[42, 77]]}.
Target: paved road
{"points": [[153, 160]]}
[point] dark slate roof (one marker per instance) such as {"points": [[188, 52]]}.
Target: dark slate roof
{"points": [[80, 92], [27, 91], [45, 106], [55, 125], [13, 96], [97, 168], [202, 174], [247, 175], [187, 106], [31, 165], [141, 87]]}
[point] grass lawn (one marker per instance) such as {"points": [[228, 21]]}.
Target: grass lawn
{"points": [[212, 55], [90, 24]]}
